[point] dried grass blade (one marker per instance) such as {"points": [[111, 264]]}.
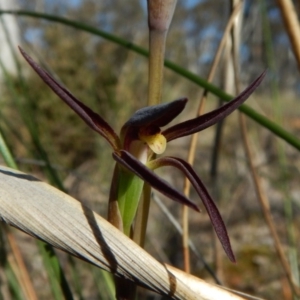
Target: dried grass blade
{"points": [[48, 214]]}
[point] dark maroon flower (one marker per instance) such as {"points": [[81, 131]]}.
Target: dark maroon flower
{"points": [[141, 136]]}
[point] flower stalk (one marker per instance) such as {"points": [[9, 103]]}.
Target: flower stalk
{"points": [[160, 14]]}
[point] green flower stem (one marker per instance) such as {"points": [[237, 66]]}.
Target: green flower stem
{"points": [[262, 120], [156, 66], [6, 154], [160, 14], [129, 193], [114, 215], [142, 215]]}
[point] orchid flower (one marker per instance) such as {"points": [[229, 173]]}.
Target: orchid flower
{"points": [[142, 138]]}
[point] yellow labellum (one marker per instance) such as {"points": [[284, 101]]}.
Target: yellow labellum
{"points": [[156, 142]]}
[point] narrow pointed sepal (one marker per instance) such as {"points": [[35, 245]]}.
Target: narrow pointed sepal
{"points": [[128, 161], [208, 202], [92, 119], [204, 121]]}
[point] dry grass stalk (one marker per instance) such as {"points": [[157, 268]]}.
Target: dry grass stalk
{"points": [[292, 25], [193, 143], [261, 195], [20, 268]]}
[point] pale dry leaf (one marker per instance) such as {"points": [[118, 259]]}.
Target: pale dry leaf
{"points": [[51, 215]]}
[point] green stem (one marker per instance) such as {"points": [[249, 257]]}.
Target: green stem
{"points": [[142, 216], [160, 15], [156, 66]]}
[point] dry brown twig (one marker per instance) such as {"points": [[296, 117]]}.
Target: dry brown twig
{"points": [[20, 269], [194, 138], [291, 22], [261, 195]]}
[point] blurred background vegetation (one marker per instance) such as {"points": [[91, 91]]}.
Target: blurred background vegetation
{"points": [[113, 81]]}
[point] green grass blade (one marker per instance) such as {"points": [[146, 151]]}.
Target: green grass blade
{"points": [[51, 261], [59, 285], [75, 275], [265, 122], [6, 154], [13, 283], [28, 118], [104, 283]]}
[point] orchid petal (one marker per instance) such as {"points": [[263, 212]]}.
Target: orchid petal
{"points": [[202, 122], [208, 202], [92, 119], [128, 161], [156, 115]]}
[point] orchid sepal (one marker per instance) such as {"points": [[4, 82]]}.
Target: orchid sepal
{"points": [[206, 120], [129, 162], [211, 208], [92, 119]]}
